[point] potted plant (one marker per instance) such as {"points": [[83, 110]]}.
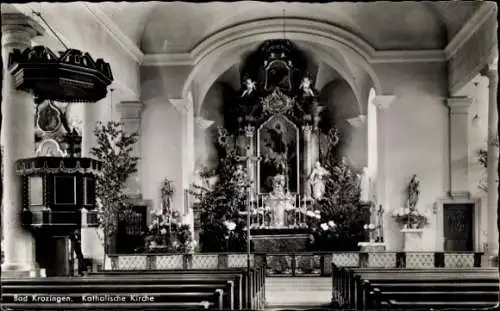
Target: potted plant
{"points": [[114, 149]]}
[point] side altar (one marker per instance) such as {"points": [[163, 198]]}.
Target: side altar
{"points": [[283, 132]]}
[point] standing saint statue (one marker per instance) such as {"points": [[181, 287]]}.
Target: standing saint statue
{"points": [[317, 181], [240, 177], [413, 192]]}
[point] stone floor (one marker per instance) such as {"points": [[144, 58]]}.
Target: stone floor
{"points": [[297, 292]]}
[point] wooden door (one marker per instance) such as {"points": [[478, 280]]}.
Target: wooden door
{"points": [[458, 227]]}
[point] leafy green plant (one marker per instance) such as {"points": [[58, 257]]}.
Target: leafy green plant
{"points": [[114, 148], [342, 216], [223, 202]]}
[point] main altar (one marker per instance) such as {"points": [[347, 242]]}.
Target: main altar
{"points": [[283, 131]]}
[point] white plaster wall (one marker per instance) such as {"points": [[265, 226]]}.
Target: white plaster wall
{"points": [[161, 151], [416, 139], [85, 33], [167, 81], [342, 104]]}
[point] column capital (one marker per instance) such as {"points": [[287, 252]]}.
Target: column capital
{"points": [[202, 123], [383, 101], [491, 72], [357, 121], [130, 109], [19, 28], [459, 105], [182, 104]]}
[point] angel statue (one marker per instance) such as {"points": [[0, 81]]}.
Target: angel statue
{"points": [[333, 137], [306, 87], [413, 192], [317, 181], [250, 87]]}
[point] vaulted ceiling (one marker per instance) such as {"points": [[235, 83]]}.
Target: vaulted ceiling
{"points": [[159, 27]]}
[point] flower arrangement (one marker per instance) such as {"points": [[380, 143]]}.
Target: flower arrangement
{"points": [[167, 234], [410, 218], [370, 228]]}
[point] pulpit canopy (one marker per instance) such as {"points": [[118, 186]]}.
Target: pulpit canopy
{"points": [[73, 76]]}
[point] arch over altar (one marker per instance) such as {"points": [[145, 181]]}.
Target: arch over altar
{"points": [[274, 140]]}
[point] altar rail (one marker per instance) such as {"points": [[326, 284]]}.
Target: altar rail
{"points": [[295, 264]]}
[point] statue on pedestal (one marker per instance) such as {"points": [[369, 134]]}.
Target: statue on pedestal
{"points": [[317, 181], [413, 192]]}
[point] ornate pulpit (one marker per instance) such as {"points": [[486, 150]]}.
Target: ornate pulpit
{"points": [[57, 183]]}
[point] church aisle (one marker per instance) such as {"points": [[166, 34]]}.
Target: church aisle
{"points": [[297, 292]]}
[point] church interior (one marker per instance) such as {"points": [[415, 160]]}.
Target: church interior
{"points": [[220, 155]]}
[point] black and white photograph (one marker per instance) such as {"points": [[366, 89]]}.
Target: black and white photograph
{"points": [[250, 155]]}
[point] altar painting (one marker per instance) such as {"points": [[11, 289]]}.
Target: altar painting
{"points": [[278, 147]]}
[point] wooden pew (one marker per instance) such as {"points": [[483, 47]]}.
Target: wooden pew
{"points": [[249, 289], [204, 295], [435, 293], [363, 288], [218, 289]]}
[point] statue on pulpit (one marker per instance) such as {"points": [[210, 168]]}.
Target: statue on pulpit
{"points": [[317, 181]]}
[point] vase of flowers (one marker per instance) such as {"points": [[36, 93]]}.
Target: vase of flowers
{"points": [[410, 218], [370, 228], [166, 234]]}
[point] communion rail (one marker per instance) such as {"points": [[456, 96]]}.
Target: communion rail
{"points": [[295, 264]]}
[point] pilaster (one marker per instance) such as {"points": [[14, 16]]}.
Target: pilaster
{"points": [[459, 145], [130, 116], [185, 107], [491, 73], [378, 190]]}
